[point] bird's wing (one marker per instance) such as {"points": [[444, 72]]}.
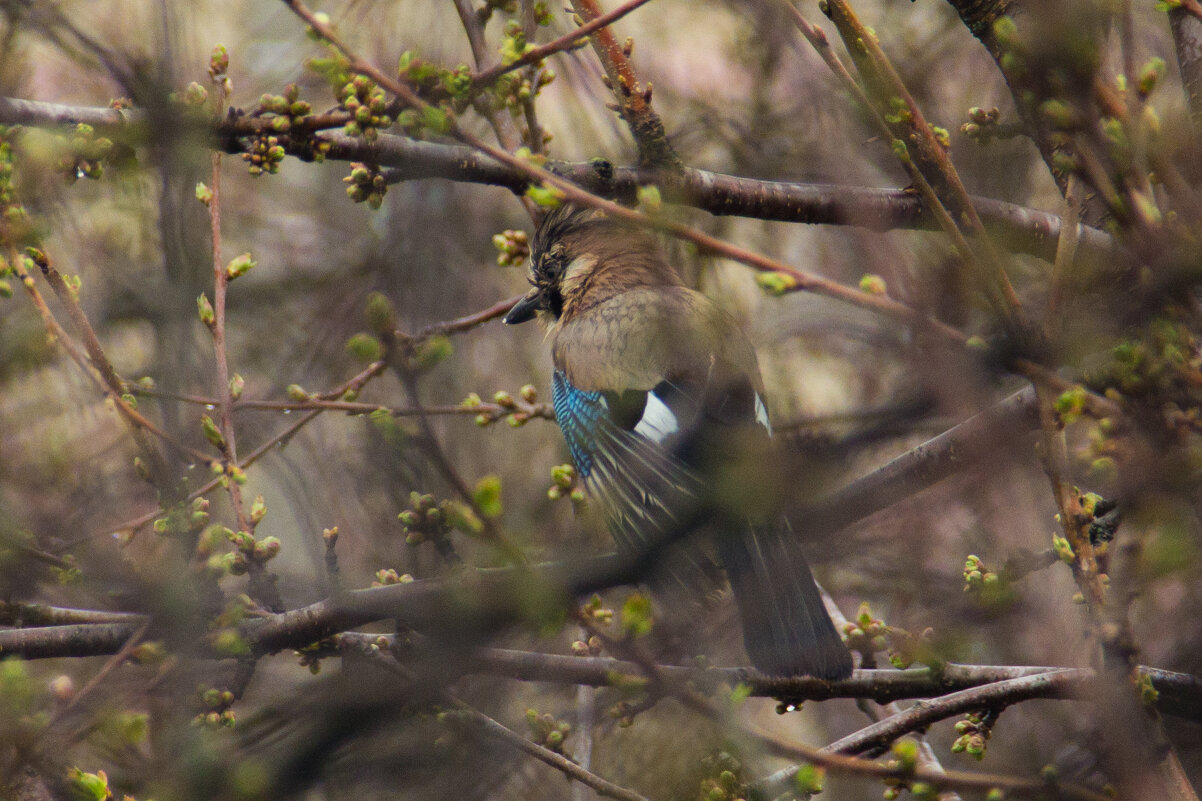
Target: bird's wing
{"points": [[644, 490]]}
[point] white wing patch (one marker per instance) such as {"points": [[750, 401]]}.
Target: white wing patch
{"points": [[658, 421], [761, 413]]}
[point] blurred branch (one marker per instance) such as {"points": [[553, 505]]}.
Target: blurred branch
{"points": [[923, 155], [926, 464], [1182, 693], [980, 18], [53, 642], [1186, 23], [909, 774], [462, 712], [603, 787], [1021, 229], [490, 410], [96, 365], [15, 613]]}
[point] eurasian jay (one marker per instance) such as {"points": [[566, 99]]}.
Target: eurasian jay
{"points": [[659, 397]]}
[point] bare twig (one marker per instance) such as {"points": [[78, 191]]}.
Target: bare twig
{"points": [[221, 279], [97, 367]]}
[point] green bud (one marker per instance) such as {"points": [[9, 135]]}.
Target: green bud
{"points": [[776, 283], [267, 549], [297, 393], [487, 496], [212, 432], [906, 752], [545, 196], [636, 615], [364, 347], [436, 119], [257, 510], [89, 786], [649, 197], [563, 475], [239, 266], [381, 315], [1006, 31], [229, 642], [195, 94], [873, 284], [1150, 75], [1059, 113], [434, 350], [461, 517], [219, 61], [809, 779]]}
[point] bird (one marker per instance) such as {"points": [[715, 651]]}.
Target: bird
{"points": [[658, 395]]}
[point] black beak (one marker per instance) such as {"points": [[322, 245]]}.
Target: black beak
{"points": [[524, 309]]}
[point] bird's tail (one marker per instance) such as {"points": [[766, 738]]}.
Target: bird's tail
{"points": [[786, 628]]}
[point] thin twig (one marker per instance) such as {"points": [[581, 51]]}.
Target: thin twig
{"points": [[488, 77], [225, 422]]}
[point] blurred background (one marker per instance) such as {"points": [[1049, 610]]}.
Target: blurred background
{"points": [[740, 92]]}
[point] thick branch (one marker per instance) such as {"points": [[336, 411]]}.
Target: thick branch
{"points": [[1017, 228]]}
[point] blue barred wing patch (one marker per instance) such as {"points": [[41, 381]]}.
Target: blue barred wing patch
{"points": [[580, 416]]}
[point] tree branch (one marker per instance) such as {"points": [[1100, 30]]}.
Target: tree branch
{"points": [[1018, 228]]}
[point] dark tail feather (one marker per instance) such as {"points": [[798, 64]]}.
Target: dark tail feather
{"points": [[786, 629]]}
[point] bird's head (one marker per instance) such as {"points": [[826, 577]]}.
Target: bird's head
{"points": [[580, 257]]}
